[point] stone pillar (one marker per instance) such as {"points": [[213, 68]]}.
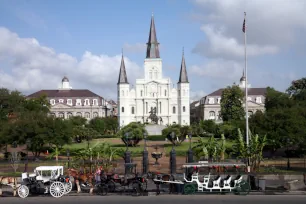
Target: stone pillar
{"points": [[173, 161], [127, 159], [145, 162]]}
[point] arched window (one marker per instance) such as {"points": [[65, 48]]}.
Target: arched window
{"points": [[212, 115], [133, 110], [184, 109], [61, 115], [95, 114], [150, 75], [69, 115], [141, 92], [87, 115], [122, 93], [173, 110], [165, 92], [122, 109], [79, 114]]}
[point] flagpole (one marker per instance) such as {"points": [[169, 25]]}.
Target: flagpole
{"points": [[246, 92]]}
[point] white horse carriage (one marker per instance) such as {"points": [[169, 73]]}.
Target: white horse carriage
{"points": [[195, 182], [45, 179], [210, 183]]}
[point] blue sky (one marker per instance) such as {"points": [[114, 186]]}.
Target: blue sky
{"points": [[83, 40]]}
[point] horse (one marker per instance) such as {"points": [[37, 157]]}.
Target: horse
{"points": [[165, 177], [81, 177], [9, 181]]}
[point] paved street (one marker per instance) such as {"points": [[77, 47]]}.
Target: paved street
{"points": [[167, 199]]}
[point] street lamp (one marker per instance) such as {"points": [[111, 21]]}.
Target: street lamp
{"points": [[68, 155], [190, 137], [172, 137], [126, 137], [28, 143], [145, 135]]}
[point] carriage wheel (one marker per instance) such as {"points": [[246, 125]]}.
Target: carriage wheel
{"points": [[102, 189], [111, 186], [57, 189], [136, 188], [189, 188], [68, 187], [23, 191], [243, 188]]}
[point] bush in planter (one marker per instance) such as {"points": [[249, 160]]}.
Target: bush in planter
{"points": [[135, 133]]}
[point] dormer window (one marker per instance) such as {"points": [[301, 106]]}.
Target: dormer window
{"points": [[69, 102], [219, 100], [52, 102], [78, 102], [211, 101], [258, 99], [86, 102], [61, 100], [95, 102]]}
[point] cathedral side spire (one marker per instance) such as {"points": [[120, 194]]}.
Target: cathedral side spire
{"points": [[152, 45], [183, 73], [122, 74]]}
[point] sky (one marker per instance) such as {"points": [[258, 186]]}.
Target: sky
{"points": [[43, 41]]}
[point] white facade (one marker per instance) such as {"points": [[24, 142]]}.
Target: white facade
{"points": [[153, 92], [210, 107]]}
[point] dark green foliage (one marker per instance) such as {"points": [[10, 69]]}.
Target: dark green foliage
{"points": [[231, 103], [135, 133], [181, 132]]}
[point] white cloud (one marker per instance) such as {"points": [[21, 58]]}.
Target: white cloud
{"points": [[28, 66], [273, 22], [274, 27], [134, 48], [220, 69], [197, 95], [228, 47]]}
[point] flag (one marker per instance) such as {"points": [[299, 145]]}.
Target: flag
{"points": [[243, 26]]}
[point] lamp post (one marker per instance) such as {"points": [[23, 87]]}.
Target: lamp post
{"points": [[28, 143], [68, 155], [127, 154], [288, 158], [145, 158], [189, 153], [173, 156]]}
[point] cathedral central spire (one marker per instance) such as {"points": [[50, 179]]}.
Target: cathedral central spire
{"points": [[152, 45]]}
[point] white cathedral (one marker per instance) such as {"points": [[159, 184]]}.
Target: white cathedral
{"points": [[154, 98]]}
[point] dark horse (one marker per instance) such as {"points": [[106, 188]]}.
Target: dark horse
{"points": [[165, 177]]}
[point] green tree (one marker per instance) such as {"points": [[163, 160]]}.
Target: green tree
{"points": [[231, 103], [98, 124], [180, 133], [59, 133], [253, 150], [135, 133]]}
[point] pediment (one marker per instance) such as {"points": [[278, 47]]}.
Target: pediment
{"points": [[60, 105]]}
